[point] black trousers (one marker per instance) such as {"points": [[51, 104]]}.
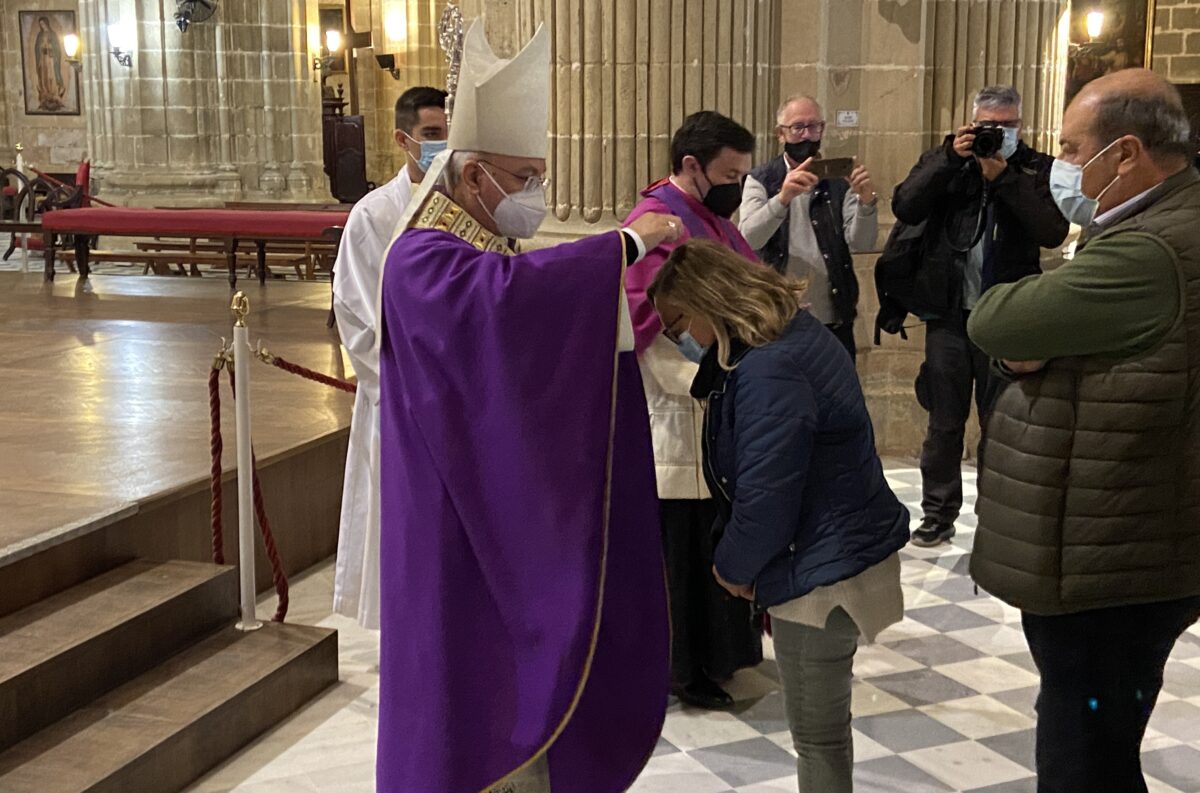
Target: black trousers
{"points": [[954, 368], [845, 334], [1101, 675], [713, 634]]}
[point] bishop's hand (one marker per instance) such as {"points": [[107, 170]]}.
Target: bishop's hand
{"points": [[655, 228]]}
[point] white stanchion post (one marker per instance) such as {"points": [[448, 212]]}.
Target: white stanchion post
{"points": [[241, 370], [21, 212]]}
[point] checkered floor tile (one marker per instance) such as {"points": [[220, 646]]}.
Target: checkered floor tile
{"points": [[943, 702]]}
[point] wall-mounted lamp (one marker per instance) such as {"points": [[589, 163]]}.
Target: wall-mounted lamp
{"points": [[71, 50], [1095, 24], [121, 42], [388, 64], [322, 64]]}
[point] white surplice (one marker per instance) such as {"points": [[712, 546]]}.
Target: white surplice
{"points": [[357, 274]]}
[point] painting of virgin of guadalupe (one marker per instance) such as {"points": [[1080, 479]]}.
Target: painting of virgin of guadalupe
{"points": [[51, 85]]}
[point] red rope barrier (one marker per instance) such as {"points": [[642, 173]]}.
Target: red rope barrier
{"points": [[216, 446], [316, 377], [278, 576]]}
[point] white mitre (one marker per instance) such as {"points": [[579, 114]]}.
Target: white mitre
{"points": [[502, 106]]}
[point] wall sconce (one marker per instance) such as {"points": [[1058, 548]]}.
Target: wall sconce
{"points": [[388, 64], [322, 64], [1095, 24], [121, 42], [71, 50]]}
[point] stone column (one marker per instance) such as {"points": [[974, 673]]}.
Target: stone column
{"points": [[406, 29], [226, 110], [625, 75], [910, 69]]}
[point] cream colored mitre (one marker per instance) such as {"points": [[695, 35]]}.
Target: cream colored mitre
{"points": [[502, 106]]}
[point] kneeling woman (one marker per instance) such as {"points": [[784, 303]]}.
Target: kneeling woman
{"points": [[809, 527]]}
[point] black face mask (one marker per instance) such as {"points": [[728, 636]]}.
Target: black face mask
{"points": [[799, 152], [723, 199]]}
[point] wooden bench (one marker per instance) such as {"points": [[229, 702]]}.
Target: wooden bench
{"points": [[163, 260], [229, 227], [306, 258]]}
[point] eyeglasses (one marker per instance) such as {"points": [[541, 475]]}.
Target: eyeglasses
{"points": [[669, 331], [530, 181], [796, 130]]}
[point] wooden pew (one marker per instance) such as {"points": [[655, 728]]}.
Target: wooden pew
{"points": [[230, 227]]}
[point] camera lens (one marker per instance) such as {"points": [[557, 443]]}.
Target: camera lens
{"points": [[989, 139]]}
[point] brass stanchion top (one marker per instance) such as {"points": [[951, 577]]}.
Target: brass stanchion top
{"points": [[240, 306]]}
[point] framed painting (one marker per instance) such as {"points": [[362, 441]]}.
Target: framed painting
{"points": [[51, 83], [1107, 36]]}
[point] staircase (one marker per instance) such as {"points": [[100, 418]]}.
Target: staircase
{"points": [[136, 680]]}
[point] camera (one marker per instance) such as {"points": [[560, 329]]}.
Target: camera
{"points": [[989, 139]]}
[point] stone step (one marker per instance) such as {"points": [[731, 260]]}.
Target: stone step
{"points": [[65, 651], [166, 728]]}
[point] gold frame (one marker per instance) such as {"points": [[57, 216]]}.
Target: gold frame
{"points": [[1076, 9]]}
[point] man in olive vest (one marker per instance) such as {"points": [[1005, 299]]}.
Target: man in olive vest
{"points": [[1089, 491]]}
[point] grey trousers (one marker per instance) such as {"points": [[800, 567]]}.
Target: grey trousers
{"points": [[535, 779], [816, 666]]}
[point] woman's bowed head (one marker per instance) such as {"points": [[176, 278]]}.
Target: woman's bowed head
{"points": [[707, 294]]}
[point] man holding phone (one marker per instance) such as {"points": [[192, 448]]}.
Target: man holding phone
{"points": [[805, 216]]}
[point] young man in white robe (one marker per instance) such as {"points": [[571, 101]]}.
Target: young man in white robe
{"points": [[421, 131]]}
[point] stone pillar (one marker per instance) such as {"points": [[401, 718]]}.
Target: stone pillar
{"points": [[910, 69], [226, 110], [625, 75], [408, 30]]}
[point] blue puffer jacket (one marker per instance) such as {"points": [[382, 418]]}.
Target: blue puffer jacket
{"points": [[789, 454]]}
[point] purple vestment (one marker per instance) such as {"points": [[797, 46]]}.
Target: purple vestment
{"points": [[503, 533]]}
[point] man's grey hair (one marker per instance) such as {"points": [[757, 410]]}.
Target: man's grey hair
{"points": [[791, 100], [454, 168], [1158, 120], [995, 97]]}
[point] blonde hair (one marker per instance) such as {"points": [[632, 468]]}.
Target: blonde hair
{"points": [[741, 299]]}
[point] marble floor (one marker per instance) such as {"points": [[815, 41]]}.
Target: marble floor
{"points": [[943, 703]]}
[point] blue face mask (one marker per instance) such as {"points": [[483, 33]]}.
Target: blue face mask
{"points": [[429, 150], [1009, 147], [691, 349]]}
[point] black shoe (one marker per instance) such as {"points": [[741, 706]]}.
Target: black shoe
{"points": [[932, 533], [703, 693]]}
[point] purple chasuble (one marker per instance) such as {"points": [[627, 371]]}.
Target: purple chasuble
{"points": [[523, 600]]}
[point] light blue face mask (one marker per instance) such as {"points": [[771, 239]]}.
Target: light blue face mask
{"points": [[691, 349], [429, 150], [1009, 147]]}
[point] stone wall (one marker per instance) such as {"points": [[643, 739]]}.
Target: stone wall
{"points": [[227, 110], [1176, 50], [52, 143]]}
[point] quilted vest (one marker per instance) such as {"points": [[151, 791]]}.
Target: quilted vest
{"points": [[1089, 491]]}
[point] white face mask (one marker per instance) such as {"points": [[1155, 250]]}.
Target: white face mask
{"points": [[518, 215], [1066, 185]]}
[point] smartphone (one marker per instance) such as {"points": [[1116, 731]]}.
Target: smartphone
{"points": [[834, 168]]}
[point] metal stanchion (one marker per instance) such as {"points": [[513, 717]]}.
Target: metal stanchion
{"points": [[241, 369], [24, 211]]}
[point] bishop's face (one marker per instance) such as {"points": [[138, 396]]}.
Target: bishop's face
{"points": [[510, 191]]}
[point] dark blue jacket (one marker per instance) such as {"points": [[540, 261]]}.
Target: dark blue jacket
{"points": [[789, 455]]}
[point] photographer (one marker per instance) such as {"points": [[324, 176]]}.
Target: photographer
{"points": [[984, 197], [806, 225]]}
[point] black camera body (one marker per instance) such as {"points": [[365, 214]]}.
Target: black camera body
{"points": [[989, 139]]}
